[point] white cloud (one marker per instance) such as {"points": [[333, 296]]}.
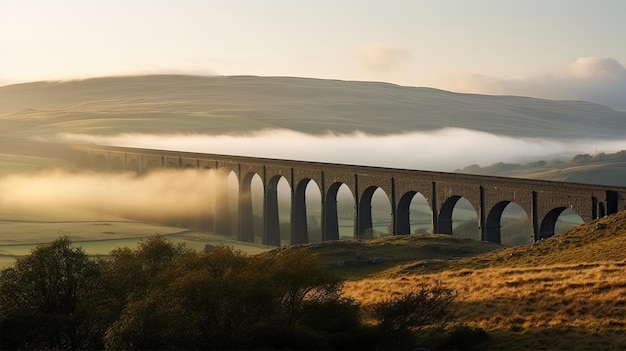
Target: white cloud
{"points": [[594, 79], [597, 68], [383, 58]]}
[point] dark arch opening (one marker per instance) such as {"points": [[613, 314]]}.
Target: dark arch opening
{"points": [[306, 226], [251, 208], [516, 228], [278, 212], [458, 217], [314, 211], [232, 184], [413, 214], [339, 212], [508, 224], [557, 221], [374, 214]]}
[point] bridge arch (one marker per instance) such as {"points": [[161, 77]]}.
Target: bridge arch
{"points": [[446, 214], [549, 223], [302, 209], [365, 215], [493, 223], [247, 230], [404, 219], [334, 209], [275, 232]]}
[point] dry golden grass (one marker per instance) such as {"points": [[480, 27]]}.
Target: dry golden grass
{"points": [[524, 298]]}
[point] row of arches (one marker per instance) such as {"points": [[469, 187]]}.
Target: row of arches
{"points": [[283, 211], [280, 215]]}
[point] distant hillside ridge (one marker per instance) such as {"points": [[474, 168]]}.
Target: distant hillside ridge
{"points": [[602, 169], [234, 104]]}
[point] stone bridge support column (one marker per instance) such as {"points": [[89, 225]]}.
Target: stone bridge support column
{"points": [[300, 230], [402, 221], [364, 219], [534, 217], [434, 209], [330, 219], [271, 220]]}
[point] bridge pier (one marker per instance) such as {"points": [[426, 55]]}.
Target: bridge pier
{"points": [[300, 230], [330, 217], [403, 225], [272, 223]]}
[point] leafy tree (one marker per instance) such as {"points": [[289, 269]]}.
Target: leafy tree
{"points": [[49, 299], [223, 299], [128, 273], [164, 296], [205, 300], [312, 310], [299, 279]]}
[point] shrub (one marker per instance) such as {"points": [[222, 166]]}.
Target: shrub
{"points": [[412, 318]]}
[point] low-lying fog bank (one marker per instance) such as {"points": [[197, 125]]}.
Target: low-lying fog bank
{"points": [[442, 150], [160, 194]]}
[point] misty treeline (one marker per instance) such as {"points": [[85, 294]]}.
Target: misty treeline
{"points": [[166, 296], [578, 159]]}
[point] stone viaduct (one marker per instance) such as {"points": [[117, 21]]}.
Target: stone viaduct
{"points": [[543, 201]]}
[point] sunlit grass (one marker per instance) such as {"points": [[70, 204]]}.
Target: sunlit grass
{"points": [[567, 292]]}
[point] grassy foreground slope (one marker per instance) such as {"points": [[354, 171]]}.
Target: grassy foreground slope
{"points": [[567, 292], [214, 105]]}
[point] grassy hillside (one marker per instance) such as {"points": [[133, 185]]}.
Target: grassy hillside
{"points": [[567, 292], [166, 104]]}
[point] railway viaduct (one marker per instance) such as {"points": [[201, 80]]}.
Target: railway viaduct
{"points": [[543, 201]]}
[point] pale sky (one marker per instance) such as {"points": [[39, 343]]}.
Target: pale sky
{"points": [[559, 49]]}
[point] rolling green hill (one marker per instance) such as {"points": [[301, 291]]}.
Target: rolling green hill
{"points": [[212, 105]]}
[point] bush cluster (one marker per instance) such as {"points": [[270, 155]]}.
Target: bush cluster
{"points": [[165, 296]]}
